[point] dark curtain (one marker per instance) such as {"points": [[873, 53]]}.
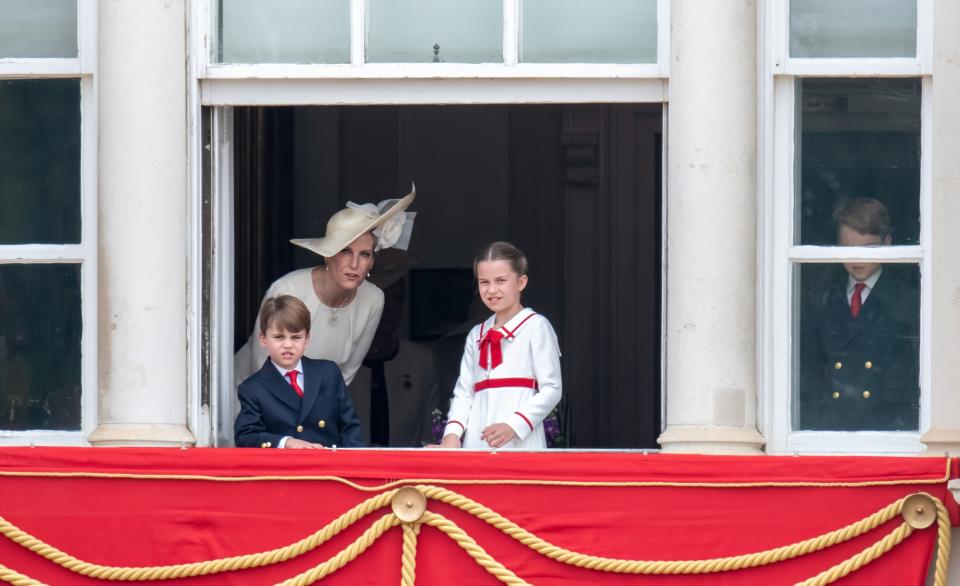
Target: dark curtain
{"points": [[263, 208]]}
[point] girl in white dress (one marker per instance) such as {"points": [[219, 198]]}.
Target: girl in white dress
{"points": [[510, 371]]}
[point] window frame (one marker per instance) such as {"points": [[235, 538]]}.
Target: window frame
{"points": [[779, 254], [84, 68], [214, 89], [455, 83]]}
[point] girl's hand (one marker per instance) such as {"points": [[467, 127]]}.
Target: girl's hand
{"points": [[498, 434], [298, 444], [450, 441]]}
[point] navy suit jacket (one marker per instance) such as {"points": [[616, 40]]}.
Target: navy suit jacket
{"points": [[270, 409], [861, 373]]}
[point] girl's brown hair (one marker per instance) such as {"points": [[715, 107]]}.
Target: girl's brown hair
{"points": [[503, 251]]}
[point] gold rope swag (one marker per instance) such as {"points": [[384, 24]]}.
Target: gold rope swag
{"points": [[919, 511]]}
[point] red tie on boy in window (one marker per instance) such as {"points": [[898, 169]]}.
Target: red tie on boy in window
{"points": [[490, 344], [856, 302], [293, 382]]}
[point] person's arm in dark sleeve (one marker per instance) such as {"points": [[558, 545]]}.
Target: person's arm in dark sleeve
{"points": [[249, 429]]}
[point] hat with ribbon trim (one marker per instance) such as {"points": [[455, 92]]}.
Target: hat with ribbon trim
{"points": [[389, 222]]}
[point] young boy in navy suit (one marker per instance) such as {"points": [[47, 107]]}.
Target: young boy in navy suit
{"points": [[293, 401], [859, 341]]}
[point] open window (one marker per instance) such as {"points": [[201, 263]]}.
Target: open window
{"points": [[578, 187], [507, 136]]}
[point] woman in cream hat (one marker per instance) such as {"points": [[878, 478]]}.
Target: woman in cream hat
{"points": [[344, 307]]}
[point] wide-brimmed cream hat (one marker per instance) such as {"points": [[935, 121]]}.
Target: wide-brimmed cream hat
{"points": [[386, 220]]}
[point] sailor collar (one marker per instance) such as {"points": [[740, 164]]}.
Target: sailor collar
{"points": [[509, 329]]}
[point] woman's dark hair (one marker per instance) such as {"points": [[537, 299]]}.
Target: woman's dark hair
{"points": [[503, 251]]}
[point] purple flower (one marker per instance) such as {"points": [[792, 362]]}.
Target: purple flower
{"points": [[438, 423], [551, 428]]}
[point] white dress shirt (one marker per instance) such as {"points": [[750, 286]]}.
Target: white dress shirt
{"points": [[870, 283], [283, 372]]}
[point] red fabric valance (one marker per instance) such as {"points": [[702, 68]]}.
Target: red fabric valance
{"points": [[148, 507]]}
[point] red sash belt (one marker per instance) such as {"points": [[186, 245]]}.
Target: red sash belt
{"points": [[497, 383]]}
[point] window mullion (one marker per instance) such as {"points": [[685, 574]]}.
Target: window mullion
{"points": [[926, 240], [87, 36], [779, 239], [511, 32], [22, 68], [663, 37], [358, 31], [925, 35], [779, 33], [41, 253], [832, 254], [852, 67]]}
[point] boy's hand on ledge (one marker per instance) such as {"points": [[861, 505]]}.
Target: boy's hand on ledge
{"points": [[298, 444]]}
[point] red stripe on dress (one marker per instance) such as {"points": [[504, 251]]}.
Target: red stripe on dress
{"points": [[498, 383], [524, 418], [510, 334], [458, 423]]}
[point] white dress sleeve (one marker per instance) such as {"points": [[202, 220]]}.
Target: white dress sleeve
{"points": [[545, 357], [361, 344], [462, 399]]}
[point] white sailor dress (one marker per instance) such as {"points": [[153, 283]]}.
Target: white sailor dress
{"points": [[510, 375]]}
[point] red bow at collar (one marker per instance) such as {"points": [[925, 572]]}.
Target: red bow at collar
{"points": [[490, 344]]}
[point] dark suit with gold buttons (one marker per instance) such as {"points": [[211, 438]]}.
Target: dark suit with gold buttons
{"points": [[270, 409], [860, 373]]}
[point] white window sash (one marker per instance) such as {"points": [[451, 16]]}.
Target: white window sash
{"points": [[776, 177], [84, 67], [833, 254], [317, 92], [511, 32], [83, 64], [778, 26], [204, 16]]}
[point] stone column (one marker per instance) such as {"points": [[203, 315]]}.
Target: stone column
{"points": [[711, 380], [141, 87], [944, 432]]}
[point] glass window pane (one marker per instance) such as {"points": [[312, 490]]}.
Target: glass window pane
{"points": [[40, 161], [857, 138], [38, 29], [284, 31], [857, 373], [853, 28], [426, 31], [40, 331], [601, 31]]}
